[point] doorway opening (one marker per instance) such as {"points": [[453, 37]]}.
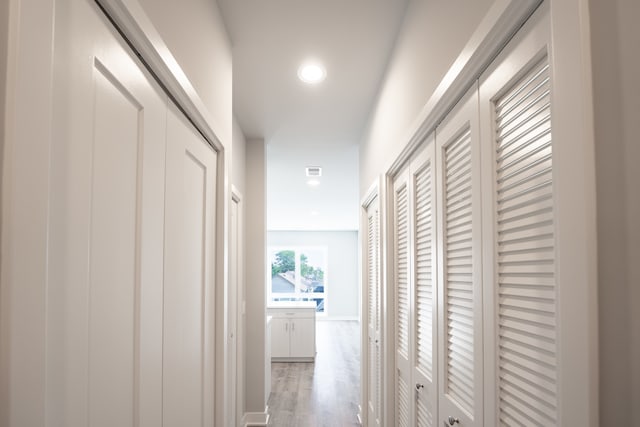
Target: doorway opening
{"points": [[313, 287]]}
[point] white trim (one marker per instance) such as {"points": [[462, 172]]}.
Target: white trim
{"points": [[575, 204], [236, 197], [372, 193], [129, 17], [251, 419]]}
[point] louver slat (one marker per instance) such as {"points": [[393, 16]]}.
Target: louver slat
{"points": [[371, 262], [402, 233], [458, 271], [424, 413], [373, 300], [376, 228], [527, 349], [424, 278], [403, 403]]}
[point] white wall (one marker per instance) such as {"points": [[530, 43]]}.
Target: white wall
{"points": [[342, 266], [615, 37], [196, 36], [238, 158], [238, 162], [255, 259], [4, 342], [431, 38]]}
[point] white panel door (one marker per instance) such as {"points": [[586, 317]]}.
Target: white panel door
{"points": [[520, 223], [374, 366], [459, 265], [188, 338], [402, 274], [104, 314], [423, 286]]}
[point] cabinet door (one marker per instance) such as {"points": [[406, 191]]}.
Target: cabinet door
{"points": [[279, 337], [303, 333], [459, 272]]}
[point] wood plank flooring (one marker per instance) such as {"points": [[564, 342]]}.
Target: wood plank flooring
{"points": [[324, 393]]}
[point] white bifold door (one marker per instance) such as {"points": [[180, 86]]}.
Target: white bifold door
{"points": [[460, 264], [475, 250], [415, 225], [374, 345], [188, 335], [130, 286]]}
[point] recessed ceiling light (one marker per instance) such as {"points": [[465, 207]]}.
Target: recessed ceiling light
{"points": [[313, 182], [312, 73]]}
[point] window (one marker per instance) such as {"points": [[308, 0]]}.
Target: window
{"points": [[298, 274]]}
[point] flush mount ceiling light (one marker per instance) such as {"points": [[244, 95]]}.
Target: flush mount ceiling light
{"points": [[312, 73]]}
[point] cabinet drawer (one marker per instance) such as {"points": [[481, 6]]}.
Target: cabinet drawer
{"points": [[291, 313]]}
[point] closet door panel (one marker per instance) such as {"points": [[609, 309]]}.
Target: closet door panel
{"points": [[402, 269], [104, 307], [519, 237], [459, 264], [188, 334], [424, 285], [374, 374]]}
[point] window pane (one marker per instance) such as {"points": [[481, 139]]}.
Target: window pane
{"points": [[283, 271], [312, 266]]}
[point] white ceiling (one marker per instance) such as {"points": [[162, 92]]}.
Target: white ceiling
{"points": [[307, 125]]}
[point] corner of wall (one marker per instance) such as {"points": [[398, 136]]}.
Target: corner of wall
{"points": [[255, 256]]}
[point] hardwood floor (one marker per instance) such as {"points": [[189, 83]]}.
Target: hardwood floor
{"points": [[324, 393]]}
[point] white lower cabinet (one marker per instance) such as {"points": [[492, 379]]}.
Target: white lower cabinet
{"points": [[293, 334]]}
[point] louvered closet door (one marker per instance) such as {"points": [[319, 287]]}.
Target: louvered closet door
{"points": [[424, 321], [401, 232], [460, 274], [374, 374], [520, 237]]}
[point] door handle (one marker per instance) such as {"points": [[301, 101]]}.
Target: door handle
{"points": [[419, 386], [453, 420]]}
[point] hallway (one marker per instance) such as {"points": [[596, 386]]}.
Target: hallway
{"points": [[457, 176], [324, 393]]}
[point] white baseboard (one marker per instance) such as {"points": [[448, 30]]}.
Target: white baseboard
{"points": [[255, 419]]}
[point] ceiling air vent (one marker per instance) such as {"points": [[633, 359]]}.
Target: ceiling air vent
{"points": [[314, 171]]}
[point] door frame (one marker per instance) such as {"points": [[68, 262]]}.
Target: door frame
{"points": [[370, 196], [236, 197]]}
